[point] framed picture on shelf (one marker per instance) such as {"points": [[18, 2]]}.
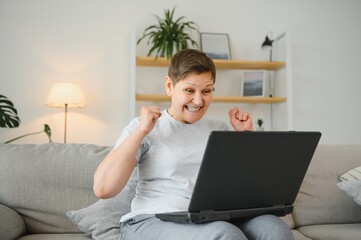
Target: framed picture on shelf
{"points": [[215, 45], [254, 84]]}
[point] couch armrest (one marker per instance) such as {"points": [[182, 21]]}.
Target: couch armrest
{"points": [[12, 226]]}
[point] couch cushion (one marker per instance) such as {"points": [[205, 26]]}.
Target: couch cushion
{"points": [[333, 231], [101, 219], [43, 182], [319, 200], [299, 236], [288, 220], [12, 225]]}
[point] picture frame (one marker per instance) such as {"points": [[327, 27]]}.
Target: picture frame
{"points": [[254, 83], [215, 45]]}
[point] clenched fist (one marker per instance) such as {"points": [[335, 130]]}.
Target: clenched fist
{"points": [[241, 121], [148, 118]]}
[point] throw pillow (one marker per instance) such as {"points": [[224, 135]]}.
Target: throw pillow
{"points": [[101, 219], [351, 184], [353, 174]]}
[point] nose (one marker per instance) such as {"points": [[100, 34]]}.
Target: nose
{"points": [[198, 99]]}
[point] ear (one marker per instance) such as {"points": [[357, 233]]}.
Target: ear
{"points": [[168, 85]]}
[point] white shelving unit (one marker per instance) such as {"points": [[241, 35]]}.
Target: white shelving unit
{"points": [[280, 78]]}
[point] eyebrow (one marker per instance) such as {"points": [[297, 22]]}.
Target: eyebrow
{"points": [[189, 83]]}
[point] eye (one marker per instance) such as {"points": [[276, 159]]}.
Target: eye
{"points": [[207, 91], [189, 90]]}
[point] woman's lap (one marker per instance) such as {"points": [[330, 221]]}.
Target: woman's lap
{"points": [[147, 227]]}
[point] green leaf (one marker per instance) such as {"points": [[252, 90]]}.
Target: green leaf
{"points": [[8, 114], [47, 131], [169, 35]]}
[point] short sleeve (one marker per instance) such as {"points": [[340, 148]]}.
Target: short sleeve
{"points": [[144, 146]]}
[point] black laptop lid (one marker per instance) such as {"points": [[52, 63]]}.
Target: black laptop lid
{"points": [[252, 169]]}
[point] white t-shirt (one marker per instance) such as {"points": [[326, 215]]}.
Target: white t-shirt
{"points": [[168, 162]]}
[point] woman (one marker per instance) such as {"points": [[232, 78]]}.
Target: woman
{"points": [[167, 146]]}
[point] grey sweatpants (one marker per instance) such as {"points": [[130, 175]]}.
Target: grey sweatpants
{"points": [[148, 227]]}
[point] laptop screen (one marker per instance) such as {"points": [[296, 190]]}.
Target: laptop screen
{"points": [[243, 170]]}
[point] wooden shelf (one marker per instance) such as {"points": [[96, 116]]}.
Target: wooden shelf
{"points": [[216, 99], [219, 63], [278, 73]]}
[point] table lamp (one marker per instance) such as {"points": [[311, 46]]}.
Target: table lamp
{"points": [[65, 95]]}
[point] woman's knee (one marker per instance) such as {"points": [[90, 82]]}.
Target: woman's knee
{"points": [[224, 231], [267, 227]]}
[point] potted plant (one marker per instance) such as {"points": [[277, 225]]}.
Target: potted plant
{"points": [[259, 124], [169, 35], [9, 119]]}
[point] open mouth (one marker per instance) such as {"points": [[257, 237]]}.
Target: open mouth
{"points": [[193, 109]]}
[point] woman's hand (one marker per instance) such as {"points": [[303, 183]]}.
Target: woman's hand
{"points": [[148, 118], [241, 121]]}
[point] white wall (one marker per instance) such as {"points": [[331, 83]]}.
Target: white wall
{"points": [[88, 42]]}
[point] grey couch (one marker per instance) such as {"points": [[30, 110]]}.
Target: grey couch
{"points": [[46, 193]]}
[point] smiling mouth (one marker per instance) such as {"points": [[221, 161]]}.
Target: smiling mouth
{"points": [[193, 109]]}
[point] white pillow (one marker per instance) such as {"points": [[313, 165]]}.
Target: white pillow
{"points": [[351, 184], [353, 174]]}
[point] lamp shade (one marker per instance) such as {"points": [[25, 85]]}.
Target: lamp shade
{"points": [[66, 94], [267, 44]]}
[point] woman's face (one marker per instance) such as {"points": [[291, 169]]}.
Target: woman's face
{"points": [[190, 97]]}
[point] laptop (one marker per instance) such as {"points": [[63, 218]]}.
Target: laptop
{"points": [[247, 174]]}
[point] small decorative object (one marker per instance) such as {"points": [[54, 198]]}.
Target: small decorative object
{"points": [[216, 45], [254, 84], [259, 124], [46, 130], [169, 35]]}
